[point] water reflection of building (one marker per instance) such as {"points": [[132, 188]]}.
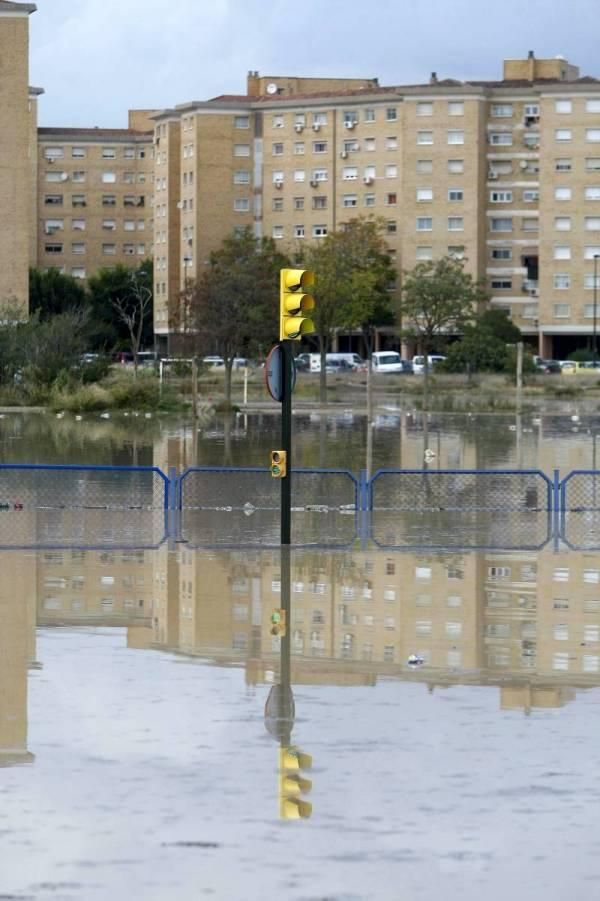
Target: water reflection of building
{"points": [[17, 654]]}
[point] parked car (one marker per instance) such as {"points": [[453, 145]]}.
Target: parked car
{"points": [[339, 366], [550, 367], [432, 361], [214, 362], [389, 361]]}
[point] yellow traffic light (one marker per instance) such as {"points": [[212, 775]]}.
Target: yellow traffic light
{"points": [[278, 464], [292, 784], [278, 622], [295, 303]]}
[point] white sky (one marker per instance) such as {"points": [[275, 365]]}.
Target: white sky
{"points": [[97, 58]]}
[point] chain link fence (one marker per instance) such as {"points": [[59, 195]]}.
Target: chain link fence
{"points": [[461, 508], [580, 510], [227, 506], [83, 506]]}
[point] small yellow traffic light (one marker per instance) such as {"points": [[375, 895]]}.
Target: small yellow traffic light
{"points": [[295, 303], [278, 464], [278, 622], [292, 784]]}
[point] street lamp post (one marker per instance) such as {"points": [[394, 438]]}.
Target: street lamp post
{"points": [[594, 347]]}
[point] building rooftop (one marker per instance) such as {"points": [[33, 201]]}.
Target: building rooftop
{"points": [[114, 134], [7, 7]]}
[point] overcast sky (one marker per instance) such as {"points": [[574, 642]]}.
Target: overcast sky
{"points": [[98, 58]]}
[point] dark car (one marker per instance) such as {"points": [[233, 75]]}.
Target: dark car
{"points": [[302, 365], [551, 367]]}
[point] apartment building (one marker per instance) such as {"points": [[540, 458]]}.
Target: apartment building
{"points": [[501, 173], [94, 198], [17, 113]]}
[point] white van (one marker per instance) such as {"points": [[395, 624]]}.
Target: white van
{"points": [[387, 361], [432, 360]]}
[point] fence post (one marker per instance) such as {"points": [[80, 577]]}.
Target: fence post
{"points": [[556, 510], [173, 513], [363, 507]]}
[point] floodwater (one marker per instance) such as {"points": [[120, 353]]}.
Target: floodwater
{"points": [[446, 698]]}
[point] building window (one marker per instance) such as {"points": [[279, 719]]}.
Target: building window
{"points": [[501, 284], [369, 200], [591, 251], [350, 117], [54, 153], [78, 225], [424, 108], [424, 137], [530, 311], [391, 114], [319, 146], [501, 138], [129, 249], [78, 272], [531, 196], [319, 175], [592, 193], [277, 149], [319, 118], [369, 145], [369, 115], [456, 251], [277, 204], [424, 252], [501, 253], [53, 199], [592, 223], [349, 173], [562, 281], [241, 121], [109, 178], [562, 252], [350, 200], [424, 224], [588, 283], [424, 194], [277, 232], [129, 225], [592, 135], [241, 205], [391, 142], [562, 194], [391, 171], [455, 167], [299, 148], [456, 137], [424, 167], [501, 196], [391, 199], [455, 194], [562, 310], [109, 249], [53, 248], [563, 106], [109, 153], [455, 223], [109, 200], [391, 226], [562, 134], [277, 121], [299, 175], [501, 225], [562, 164], [241, 177], [351, 146], [241, 149], [456, 108], [530, 225], [502, 110], [319, 203], [298, 231], [319, 231]]}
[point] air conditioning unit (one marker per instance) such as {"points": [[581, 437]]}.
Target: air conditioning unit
{"points": [[523, 164], [180, 204], [368, 179], [314, 183], [316, 126], [492, 176], [349, 124], [278, 185], [344, 154], [51, 160], [534, 292], [299, 127]]}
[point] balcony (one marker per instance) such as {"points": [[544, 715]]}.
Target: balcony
{"points": [[530, 286]]}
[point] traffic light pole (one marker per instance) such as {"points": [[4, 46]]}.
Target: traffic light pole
{"points": [[286, 440]]}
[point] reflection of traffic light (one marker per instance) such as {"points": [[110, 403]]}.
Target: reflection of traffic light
{"points": [[295, 303], [278, 622], [278, 464], [292, 784]]}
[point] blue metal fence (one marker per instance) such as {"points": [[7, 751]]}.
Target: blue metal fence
{"points": [[208, 506]]}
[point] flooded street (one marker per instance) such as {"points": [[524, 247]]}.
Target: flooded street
{"points": [[447, 699]]}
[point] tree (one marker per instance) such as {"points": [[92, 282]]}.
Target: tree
{"points": [[107, 330], [234, 305], [485, 345], [353, 272], [132, 310], [438, 299], [53, 293]]}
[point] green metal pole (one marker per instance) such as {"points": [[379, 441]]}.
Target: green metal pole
{"points": [[286, 442]]}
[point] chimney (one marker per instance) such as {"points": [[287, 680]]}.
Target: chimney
{"points": [[433, 78], [531, 66]]}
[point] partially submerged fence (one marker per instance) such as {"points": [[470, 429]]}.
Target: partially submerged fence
{"points": [[208, 506]]}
